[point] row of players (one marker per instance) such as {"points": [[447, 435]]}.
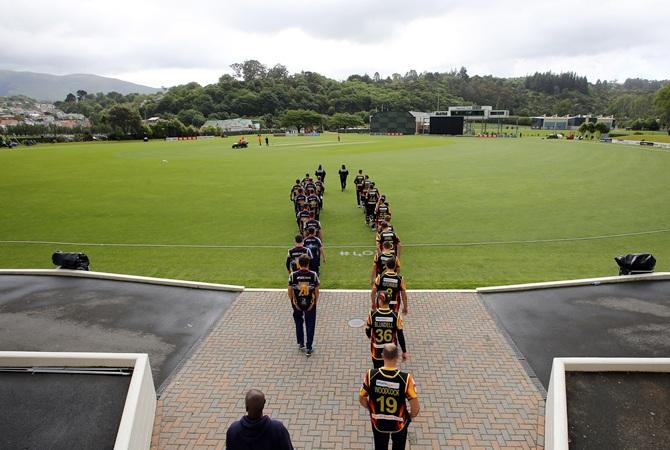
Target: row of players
{"points": [[388, 292], [307, 195], [303, 260], [369, 198], [385, 388]]}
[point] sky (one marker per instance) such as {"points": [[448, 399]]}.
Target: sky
{"points": [[168, 42]]}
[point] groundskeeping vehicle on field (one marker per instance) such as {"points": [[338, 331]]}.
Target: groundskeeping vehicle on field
{"points": [[242, 143]]}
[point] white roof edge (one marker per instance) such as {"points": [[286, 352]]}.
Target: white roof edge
{"points": [[235, 288], [578, 282], [124, 277]]}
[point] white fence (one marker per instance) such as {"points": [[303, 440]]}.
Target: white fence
{"points": [[646, 143]]}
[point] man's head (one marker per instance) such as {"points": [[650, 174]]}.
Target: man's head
{"points": [[312, 214], [311, 231], [303, 261], [360, 171], [390, 353], [387, 246], [297, 181], [390, 264], [298, 238], [343, 167], [384, 225], [254, 402], [301, 191], [307, 175]]}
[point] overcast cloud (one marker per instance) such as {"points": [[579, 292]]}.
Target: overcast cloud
{"points": [[167, 42]]}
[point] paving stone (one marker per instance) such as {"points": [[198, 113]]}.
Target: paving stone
{"points": [[474, 393]]}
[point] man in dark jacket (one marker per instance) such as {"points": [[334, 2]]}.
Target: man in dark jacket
{"points": [[256, 431], [344, 173]]}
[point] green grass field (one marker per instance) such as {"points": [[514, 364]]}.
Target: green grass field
{"points": [[445, 192]]}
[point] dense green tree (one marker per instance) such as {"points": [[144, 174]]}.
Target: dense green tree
{"points": [[662, 104], [260, 92], [209, 131], [631, 105], [168, 128], [301, 118], [249, 70], [344, 120], [124, 120], [552, 83], [267, 121], [649, 124], [601, 128], [278, 72], [191, 117], [587, 127]]}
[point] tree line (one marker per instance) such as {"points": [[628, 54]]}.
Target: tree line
{"points": [[277, 98]]}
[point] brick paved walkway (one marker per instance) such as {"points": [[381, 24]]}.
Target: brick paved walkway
{"points": [[473, 391]]}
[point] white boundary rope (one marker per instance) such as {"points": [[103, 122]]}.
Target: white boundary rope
{"points": [[446, 244]]}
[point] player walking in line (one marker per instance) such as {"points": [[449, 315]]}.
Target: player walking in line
{"points": [[313, 223], [370, 203], [380, 259], [320, 173], [344, 173], [307, 183], [358, 182], [300, 200], [303, 290], [384, 327], [320, 187], [314, 203], [393, 285], [302, 217], [388, 234], [296, 252], [384, 394], [295, 189], [313, 243]]}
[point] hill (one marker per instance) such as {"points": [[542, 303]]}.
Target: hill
{"points": [[47, 87]]}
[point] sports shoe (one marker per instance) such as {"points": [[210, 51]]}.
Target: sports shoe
{"points": [[309, 352], [301, 347]]}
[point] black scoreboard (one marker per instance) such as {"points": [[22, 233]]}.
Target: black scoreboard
{"points": [[446, 125]]}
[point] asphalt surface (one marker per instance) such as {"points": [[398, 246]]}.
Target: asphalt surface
{"points": [[618, 410], [51, 313], [60, 411], [609, 320]]}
